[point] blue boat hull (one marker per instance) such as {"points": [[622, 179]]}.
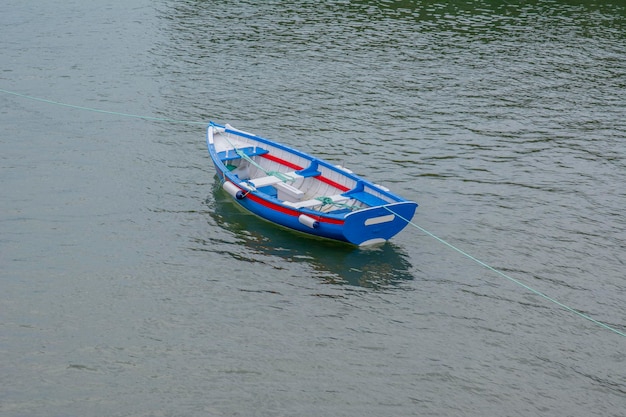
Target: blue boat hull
{"points": [[359, 226]]}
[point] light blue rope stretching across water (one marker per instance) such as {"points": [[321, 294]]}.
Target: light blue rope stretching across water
{"points": [[467, 255], [489, 267], [72, 106]]}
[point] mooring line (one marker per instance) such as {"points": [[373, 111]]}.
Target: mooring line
{"points": [[91, 109], [451, 246], [489, 267]]}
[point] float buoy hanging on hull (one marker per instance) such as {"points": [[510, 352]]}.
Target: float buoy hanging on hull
{"points": [[233, 190], [308, 221]]}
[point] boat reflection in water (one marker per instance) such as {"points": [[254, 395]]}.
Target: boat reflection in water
{"points": [[335, 262]]}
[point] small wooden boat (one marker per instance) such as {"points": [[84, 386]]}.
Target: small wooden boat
{"points": [[304, 193]]}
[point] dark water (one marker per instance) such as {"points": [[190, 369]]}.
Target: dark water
{"points": [[131, 286]]}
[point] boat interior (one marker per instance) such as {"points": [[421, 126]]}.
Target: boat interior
{"points": [[293, 179]]}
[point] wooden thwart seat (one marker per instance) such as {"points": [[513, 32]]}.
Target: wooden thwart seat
{"points": [[288, 192], [273, 179], [284, 177], [315, 202]]}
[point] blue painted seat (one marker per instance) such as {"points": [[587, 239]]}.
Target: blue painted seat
{"points": [[232, 154], [359, 193]]}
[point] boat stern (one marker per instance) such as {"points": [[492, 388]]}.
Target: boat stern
{"points": [[378, 224]]}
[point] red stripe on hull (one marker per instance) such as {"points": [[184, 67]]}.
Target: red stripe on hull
{"points": [[290, 212], [272, 206]]}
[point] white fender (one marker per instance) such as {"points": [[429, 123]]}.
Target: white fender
{"points": [[233, 190], [308, 221]]}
